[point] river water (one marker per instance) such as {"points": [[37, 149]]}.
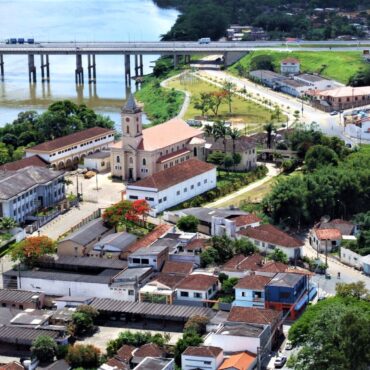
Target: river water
{"points": [[70, 20]]}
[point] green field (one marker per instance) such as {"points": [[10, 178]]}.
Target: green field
{"points": [[339, 65], [243, 111]]}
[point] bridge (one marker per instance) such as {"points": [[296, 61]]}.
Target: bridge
{"points": [[231, 52]]}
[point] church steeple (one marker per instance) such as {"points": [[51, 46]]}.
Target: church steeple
{"points": [[131, 118]]}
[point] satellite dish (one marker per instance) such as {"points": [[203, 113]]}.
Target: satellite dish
{"points": [[325, 218]]}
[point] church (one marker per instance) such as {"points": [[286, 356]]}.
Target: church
{"points": [[144, 152]]}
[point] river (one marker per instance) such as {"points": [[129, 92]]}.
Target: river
{"points": [[69, 20]]}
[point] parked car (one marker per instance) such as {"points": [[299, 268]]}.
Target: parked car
{"points": [[327, 276], [204, 40], [280, 361], [289, 345], [333, 113]]}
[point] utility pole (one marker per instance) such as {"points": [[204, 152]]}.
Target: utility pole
{"points": [[326, 252]]}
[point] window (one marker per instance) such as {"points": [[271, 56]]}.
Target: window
{"points": [[197, 295], [192, 187], [205, 181], [195, 152], [127, 129], [243, 294], [164, 199], [136, 260], [144, 162], [185, 190], [178, 192], [145, 261], [131, 160], [118, 159], [184, 294], [134, 197], [160, 201], [131, 292], [198, 184]]}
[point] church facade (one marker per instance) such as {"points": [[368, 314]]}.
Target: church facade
{"points": [[144, 152]]}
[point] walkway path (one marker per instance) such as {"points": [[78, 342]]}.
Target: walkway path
{"points": [[272, 172]]}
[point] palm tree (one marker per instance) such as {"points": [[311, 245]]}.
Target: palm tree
{"points": [[208, 130], [269, 128], [7, 223], [234, 135], [221, 132]]}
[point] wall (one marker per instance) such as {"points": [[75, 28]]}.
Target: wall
{"points": [[201, 362], [249, 299], [282, 294], [99, 164], [350, 258]]}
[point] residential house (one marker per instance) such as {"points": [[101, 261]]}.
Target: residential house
{"points": [[33, 161], [325, 240], [197, 289], [202, 357], [316, 82], [287, 292], [293, 87], [177, 268], [153, 363], [12, 366], [147, 350], [290, 66], [114, 364], [172, 186], [112, 245], [268, 237], [153, 256], [239, 337], [67, 151], [239, 361], [25, 191], [271, 268], [250, 291], [241, 265], [21, 299], [229, 227], [190, 252], [266, 77], [82, 241], [124, 354], [244, 146]]}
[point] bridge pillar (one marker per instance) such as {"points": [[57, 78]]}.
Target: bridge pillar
{"points": [[141, 65], [176, 60], [79, 73], [127, 70], [187, 59], [31, 69], [45, 67], [91, 68], [2, 67]]}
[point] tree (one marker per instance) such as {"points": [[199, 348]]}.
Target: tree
{"points": [[18, 153], [30, 249], [4, 154], [276, 114], [203, 103], [244, 246], [216, 99], [82, 324], [228, 88], [320, 155], [8, 223], [228, 161], [269, 128], [278, 256], [86, 356], [235, 135], [197, 323], [262, 62], [354, 290], [217, 158], [188, 224], [44, 348], [10, 139], [189, 338]]}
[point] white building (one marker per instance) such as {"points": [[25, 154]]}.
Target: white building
{"points": [[202, 357], [316, 82], [290, 66], [167, 188], [351, 258], [66, 151], [229, 227], [99, 161], [268, 237], [325, 240]]}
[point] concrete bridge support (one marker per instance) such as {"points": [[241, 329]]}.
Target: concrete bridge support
{"points": [[91, 68], [127, 70], [176, 60], [79, 73], [31, 69], [231, 57], [2, 67], [139, 68], [141, 65], [45, 68], [187, 59]]}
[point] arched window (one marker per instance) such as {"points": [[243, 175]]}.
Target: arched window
{"points": [[195, 152], [118, 159], [144, 162], [137, 129], [131, 160], [127, 129]]}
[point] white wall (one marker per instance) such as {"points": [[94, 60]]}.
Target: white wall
{"points": [[247, 300], [350, 258], [162, 200], [232, 343], [201, 362], [191, 297]]}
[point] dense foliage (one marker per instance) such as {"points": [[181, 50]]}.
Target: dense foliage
{"points": [[44, 348], [362, 244], [85, 356], [188, 224], [31, 128]]}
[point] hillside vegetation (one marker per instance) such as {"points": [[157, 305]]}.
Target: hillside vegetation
{"points": [[340, 66]]}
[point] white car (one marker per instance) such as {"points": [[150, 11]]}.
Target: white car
{"points": [[288, 345], [280, 361]]}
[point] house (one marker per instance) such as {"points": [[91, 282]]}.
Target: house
{"points": [[287, 292], [172, 186], [271, 268], [325, 240], [350, 257], [366, 264], [290, 66], [239, 361], [147, 350], [21, 299], [239, 337], [33, 161], [244, 146], [124, 354], [229, 227], [244, 221], [112, 245], [98, 161], [293, 87], [25, 191], [241, 265], [268, 237], [266, 77], [196, 289], [177, 268], [67, 151], [250, 291], [316, 82], [143, 153], [150, 363], [114, 364], [190, 253], [153, 256], [71, 301], [82, 241], [202, 357], [205, 216], [147, 240]]}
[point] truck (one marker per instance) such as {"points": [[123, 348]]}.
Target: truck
{"points": [[11, 41], [30, 41], [21, 40], [204, 40]]}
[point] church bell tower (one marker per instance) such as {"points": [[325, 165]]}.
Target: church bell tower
{"points": [[131, 119]]}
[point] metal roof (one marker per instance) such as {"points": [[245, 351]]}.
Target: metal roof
{"points": [[92, 262], [17, 296], [20, 335], [151, 310]]}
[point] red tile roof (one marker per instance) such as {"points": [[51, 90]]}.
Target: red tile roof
{"points": [[117, 364], [290, 60], [271, 234], [252, 315], [34, 160], [197, 244], [174, 175], [246, 220], [172, 281], [328, 234], [180, 268], [173, 155], [255, 282], [202, 351], [12, 366], [274, 267], [149, 350], [244, 263], [198, 282], [239, 361], [147, 240], [125, 353], [68, 140]]}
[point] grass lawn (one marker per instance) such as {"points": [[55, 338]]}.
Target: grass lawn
{"points": [[337, 65], [224, 178], [244, 111]]}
